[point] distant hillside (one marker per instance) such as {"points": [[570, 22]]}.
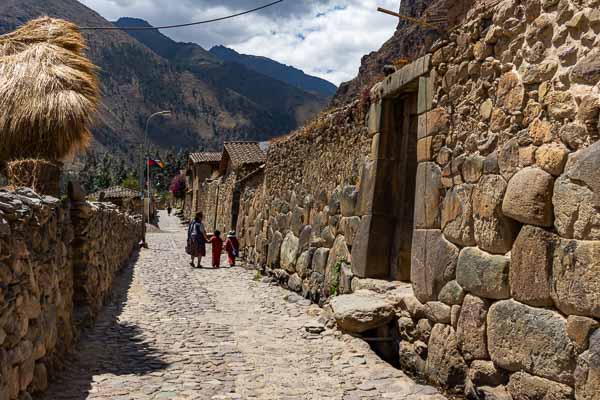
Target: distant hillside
{"points": [[138, 80], [274, 69], [288, 104]]}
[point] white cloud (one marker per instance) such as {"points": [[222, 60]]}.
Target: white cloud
{"points": [[326, 38]]}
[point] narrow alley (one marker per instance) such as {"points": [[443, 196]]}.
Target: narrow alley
{"points": [[171, 332]]}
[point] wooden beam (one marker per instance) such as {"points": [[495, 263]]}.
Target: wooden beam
{"points": [[409, 19]]}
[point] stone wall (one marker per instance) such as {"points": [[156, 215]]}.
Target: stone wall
{"points": [[47, 282], [506, 250], [218, 197], [505, 229], [216, 202], [300, 223]]}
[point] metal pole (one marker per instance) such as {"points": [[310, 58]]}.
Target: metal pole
{"points": [[165, 113]]}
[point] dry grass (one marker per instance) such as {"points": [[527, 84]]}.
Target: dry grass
{"points": [[48, 91]]}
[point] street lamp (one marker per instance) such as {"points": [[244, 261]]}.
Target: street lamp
{"points": [[165, 113]]}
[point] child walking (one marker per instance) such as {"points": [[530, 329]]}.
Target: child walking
{"points": [[232, 247], [217, 249]]}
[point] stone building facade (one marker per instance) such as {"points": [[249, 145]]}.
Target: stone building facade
{"points": [[217, 187], [57, 265], [201, 167], [475, 178]]}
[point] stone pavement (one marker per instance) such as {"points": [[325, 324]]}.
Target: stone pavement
{"points": [[172, 332]]}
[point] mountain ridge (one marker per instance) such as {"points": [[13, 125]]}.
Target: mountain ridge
{"points": [[277, 70], [136, 81]]}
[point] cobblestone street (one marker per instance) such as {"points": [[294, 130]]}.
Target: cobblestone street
{"points": [[172, 332]]}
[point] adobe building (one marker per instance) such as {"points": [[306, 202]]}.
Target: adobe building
{"points": [[457, 207]]}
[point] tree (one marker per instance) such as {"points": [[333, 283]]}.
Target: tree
{"points": [[131, 182], [178, 187]]}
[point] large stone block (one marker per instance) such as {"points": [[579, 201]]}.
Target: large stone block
{"points": [[433, 263], [576, 277], [485, 373], [426, 93], [576, 215], [289, 252], [587, 70], [371, 254], [338, 254], [483, 274], [349, 228], [452, 294], [428, 196], [493, 231], [319, 260], [361, 311], [304, 263], [577, 196], [305, 237], [471, 331], [587, 374], [375, 117], [528, 197], [274, 250], [530, 339], [434, 122], [523, 386], [457, 215], [348, 198], [445, 366], [531, 266], [579, 330], [511, 92], [552, 158]]}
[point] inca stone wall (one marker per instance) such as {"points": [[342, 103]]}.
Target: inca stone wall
{"points": [[47, 285], [301, 223], [505, 245], [506, 250]]}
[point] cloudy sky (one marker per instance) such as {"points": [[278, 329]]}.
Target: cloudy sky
{"points": [[326, 38]]}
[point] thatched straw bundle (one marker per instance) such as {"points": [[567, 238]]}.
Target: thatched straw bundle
{"points": [[48, 91]]}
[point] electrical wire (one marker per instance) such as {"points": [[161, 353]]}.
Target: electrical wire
{"points": [[145, 28]]}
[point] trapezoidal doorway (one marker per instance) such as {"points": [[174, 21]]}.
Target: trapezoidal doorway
{"points": [[387, 195]]}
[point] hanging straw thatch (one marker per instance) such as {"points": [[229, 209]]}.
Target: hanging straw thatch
{"points": [[48, 91]]}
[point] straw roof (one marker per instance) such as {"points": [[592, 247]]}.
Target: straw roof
{"points": [[48, 91]]}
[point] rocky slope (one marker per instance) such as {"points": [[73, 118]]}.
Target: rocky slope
{"points": [[137, 81], [409, 42]]}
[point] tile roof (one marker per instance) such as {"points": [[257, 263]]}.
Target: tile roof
{"points": [[205, 157], [242, 153], [116, 192]]}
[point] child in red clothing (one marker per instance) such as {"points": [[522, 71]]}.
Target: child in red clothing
{"points": [[217, 249], [232, 247]]}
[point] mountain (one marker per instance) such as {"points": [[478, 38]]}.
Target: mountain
{"points": [[138, 80], [276, 70], [290, 105]]}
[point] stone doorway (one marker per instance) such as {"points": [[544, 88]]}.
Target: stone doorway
{"points": [[403, 149], [388, 181]]}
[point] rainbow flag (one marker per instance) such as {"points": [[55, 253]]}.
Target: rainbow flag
{"points": [[156, 163]]}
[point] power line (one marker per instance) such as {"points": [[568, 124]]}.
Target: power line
{"points": [[145, 28]]}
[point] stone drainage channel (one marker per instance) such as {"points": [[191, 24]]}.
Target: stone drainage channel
{"points": [[373, 314]]}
